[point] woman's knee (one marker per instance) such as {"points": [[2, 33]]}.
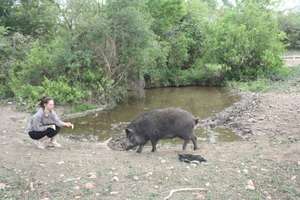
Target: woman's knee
{"points": [[51, 132]]}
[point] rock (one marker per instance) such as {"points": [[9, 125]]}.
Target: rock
{"points": [[89, 185], [60, 162], [76, 187], [2, 186], [72, 179], [293, 178], [115, 178], [92, 175], [114, 192], [251, 120], [250, 185], [149, 174], [170, 168], [31, 186], [163, 161], [199, 196]]}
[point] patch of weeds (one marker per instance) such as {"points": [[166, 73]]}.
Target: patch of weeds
{"points": [[14, 185], [153, 196], [260, 85], [290, 191], [83, 107]]}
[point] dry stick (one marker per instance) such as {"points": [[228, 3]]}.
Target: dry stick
{"points": [[183, 189]]}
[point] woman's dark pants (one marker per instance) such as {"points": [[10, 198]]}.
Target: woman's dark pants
{"points": [[49, 132]]}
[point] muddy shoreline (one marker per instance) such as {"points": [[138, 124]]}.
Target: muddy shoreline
{"points": [[231, 117]]}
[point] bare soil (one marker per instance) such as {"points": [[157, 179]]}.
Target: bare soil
{"points": [[266, 165]]}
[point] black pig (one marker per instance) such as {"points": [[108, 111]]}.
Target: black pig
{"points": [[161, 124]]}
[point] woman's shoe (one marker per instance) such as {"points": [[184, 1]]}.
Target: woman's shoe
{"points": [[54, 143]]}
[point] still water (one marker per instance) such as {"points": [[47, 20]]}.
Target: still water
{"points": [[201, 101]]}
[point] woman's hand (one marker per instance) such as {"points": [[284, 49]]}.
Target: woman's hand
{"points": [[69, 125]]}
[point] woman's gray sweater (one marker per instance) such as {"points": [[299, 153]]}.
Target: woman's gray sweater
{"points": [[40, 122]]}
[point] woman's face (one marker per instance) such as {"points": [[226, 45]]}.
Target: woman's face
{"points": [[50, 105]]}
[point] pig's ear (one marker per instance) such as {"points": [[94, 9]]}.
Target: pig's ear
{"points": [[128, 131]]}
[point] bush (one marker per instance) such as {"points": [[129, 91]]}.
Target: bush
{"points": [[199, 74], [246, 41], [60, 90]]}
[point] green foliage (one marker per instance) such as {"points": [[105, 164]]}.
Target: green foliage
{"points": [[166, 14], [246, 41], [83, 107], [36, 18], [259, 85], [290, 24], [5, 49], [89, 52]]}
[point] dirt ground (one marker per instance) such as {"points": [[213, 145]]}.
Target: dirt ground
{"points": [[264, 166]]}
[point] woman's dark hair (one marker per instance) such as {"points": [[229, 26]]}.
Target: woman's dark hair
{"points": [[44, 100]]}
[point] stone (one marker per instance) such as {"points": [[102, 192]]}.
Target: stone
{"points": [[115, 178], [89, 185], [92, 175], [250, 185], [2, 186]]}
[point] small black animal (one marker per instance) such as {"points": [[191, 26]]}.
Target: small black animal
{"points": [[161, 124], [188, 158]]}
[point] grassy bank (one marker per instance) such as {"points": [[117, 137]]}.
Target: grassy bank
{"points": [[265, 85]]}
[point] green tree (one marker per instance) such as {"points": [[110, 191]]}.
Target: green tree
{"points": [[246, 41], [29, 17], [290, 24]]}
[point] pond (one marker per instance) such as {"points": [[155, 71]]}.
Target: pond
{"points": [[201, 101]]}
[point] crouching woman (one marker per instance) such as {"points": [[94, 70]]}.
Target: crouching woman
{"points": [[45, 124]]}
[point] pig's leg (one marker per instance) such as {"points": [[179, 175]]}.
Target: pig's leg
{"points": [[153, 142], [140, 149], [186, 141], [194, 140]]}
